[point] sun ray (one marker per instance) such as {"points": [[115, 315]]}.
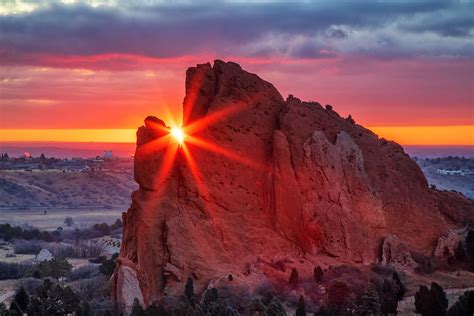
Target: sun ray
{"points": [[212, 118], [207, 145], [156, 144], [166, 166], [198, 178]]}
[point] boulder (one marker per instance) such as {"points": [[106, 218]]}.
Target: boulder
{"points": [[447, 244], [396, 254]]}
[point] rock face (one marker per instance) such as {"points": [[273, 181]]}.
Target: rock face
{"points": [[263, 180]]}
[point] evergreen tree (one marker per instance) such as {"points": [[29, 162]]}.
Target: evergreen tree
{"points": [[210, 297], [399, 286], [189, 291], [137, 309], [470, 244], [460, 253], [422, 300], [83, 309], [36, 307], [294, 278], [154, 310], [53, 299], [369, 302], [464, 305], [388, 298], [318, 274], [3, 310], [20, 301], [275, 308], [301, 309], [256, 306], [440, 302], [431, 302]]}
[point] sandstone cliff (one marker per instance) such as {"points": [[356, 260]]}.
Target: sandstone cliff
{"points": [[278, 181]]}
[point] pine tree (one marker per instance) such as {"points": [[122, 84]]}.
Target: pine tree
{"points": [[154, 310], [431, 302], [20, 301], [440, 302], [399, 285], [301, 309], [369, 302], [275, 308], [210, 296], [189, 291], [464, 305], [460, 253], [256, 306], [470, 244], [3, 310], [318, 274], [294, 278], [137, 309]]}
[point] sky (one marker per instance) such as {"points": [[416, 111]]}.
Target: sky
{"points": [[78, 70]]}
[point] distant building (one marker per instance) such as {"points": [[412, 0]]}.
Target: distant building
{"points": [[447, 172], [108, 154]]}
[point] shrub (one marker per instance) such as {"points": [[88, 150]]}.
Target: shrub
{"points": [[97, 288], [62, 251], [84, 272], [210, 296], [53, 299], [117, 225], [369, 302], [69, 221], [27, 247], [102, 228], [275, 308], [14, 270], [55, 268], [31, 285], [108, 266], [340, 298]]}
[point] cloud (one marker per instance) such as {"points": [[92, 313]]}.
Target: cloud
{"points": [[64, 35]]}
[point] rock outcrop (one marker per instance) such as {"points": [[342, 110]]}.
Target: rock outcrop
{"points": [[263, 180]]}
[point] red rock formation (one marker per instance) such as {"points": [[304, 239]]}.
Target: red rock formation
{"points": [[290, 182]]}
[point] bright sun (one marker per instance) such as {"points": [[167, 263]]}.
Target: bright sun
{"points": [[178, 134]]}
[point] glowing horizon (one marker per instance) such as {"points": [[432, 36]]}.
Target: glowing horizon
{"points": [[462, 135], [395, 67]]}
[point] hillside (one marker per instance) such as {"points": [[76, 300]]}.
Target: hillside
{"points": [[55, 189]]}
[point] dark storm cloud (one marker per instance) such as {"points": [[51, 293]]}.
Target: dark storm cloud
{"points": [[258, 29]]}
